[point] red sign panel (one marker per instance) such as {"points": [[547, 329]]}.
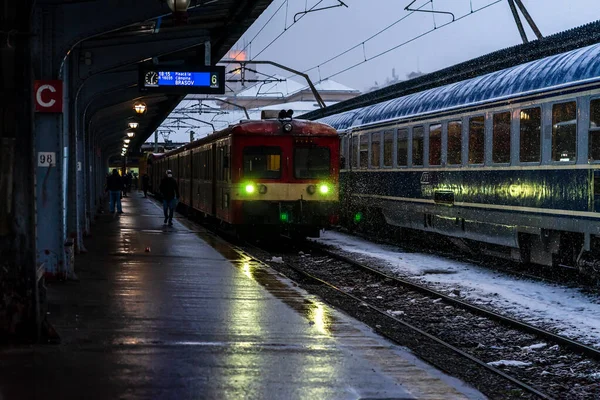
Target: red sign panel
{"points": [[48, 96]]}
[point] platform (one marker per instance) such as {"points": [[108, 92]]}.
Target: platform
{"points": [[195, 319]]}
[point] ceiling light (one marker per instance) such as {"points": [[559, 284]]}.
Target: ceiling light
{"points": [[127, 141], [130, 134], [133, 125], [140, 108]]}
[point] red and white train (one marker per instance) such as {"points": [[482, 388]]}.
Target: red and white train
{"points": [[269, 176]]}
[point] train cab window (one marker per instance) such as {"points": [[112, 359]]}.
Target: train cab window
{"points": [[501, 138], [388, 148], [455, 142], [435, 144], [262, 162], [564, 131], [364, 151], [402, 148], [418, 135], [530, 138], [476, 140], [594, 146], [312, 162], [375, 150]]}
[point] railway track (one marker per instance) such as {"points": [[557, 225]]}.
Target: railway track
{"points": [[507, 321], [490, 380]]}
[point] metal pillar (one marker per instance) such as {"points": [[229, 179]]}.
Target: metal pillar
{"points": [[20, 313], [49, 139]]}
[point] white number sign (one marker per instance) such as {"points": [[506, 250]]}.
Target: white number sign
{"points": [[46, 159]]}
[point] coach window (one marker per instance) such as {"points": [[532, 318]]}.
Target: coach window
{"points": [[455, 142], [435, 144], [418, 135], [402, 148], [364, 151], [594, 146], [531, 131], [344, 152], [375, 150], [388, 148], [262, 162], [476, 140], [354, 150], [501, 138], [564, 131]]}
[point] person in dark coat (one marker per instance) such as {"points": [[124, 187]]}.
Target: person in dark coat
{"points": [[114, 186], [170, 194], [145, 184]]}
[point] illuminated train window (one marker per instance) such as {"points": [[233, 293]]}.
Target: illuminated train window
{"points": [[455, 142], [564, 131], [530, 135], [476, 140], [402, 148], [501, 138], [594, 146], [418, 135], [435, 144]]}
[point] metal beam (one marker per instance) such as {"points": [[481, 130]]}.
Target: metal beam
{"points": [[515, 14], [100, 56]]}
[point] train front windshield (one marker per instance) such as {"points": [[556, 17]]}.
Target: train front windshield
{"points": [[262, 162], [312, 163]]}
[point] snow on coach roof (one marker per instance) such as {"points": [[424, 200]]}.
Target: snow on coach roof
{"points": [[561, 70]]}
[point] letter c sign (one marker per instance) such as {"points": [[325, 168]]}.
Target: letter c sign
{"points": [[48, 96]]}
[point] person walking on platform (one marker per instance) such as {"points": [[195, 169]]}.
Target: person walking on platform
{"points": [[170, 193], [145, 184], [114, 186]]}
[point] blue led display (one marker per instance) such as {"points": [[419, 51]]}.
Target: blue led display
{"points": [[198, 79]]}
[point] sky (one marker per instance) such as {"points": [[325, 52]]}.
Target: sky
{"points": [[319, 36]]}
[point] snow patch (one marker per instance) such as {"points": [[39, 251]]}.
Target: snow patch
{"points": [[534, 346], [570, 311], [395, 313], [278, 260], [509, 363]]}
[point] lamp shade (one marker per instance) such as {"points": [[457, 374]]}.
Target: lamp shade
{"points": [[178, 5]]}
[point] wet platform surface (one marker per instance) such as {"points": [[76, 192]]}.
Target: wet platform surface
{"points": [[195, 319]]}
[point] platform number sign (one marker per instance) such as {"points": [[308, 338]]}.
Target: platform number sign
{"points": [[46, 159]]}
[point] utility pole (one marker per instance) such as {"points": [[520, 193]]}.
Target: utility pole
{"points": [[528, 18]]}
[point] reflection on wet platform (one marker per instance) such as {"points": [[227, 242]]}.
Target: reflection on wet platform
{"points": [[196, 318]]}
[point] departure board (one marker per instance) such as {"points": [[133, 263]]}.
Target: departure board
{"points": [[205, 80]]}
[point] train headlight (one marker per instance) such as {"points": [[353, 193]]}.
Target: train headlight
{"points": [[311, 189], [262, 189], [323, 188], [250, 188], [287, 127]]}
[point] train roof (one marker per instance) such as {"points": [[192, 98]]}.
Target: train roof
{"points": [[550, 73], [266, 127]]}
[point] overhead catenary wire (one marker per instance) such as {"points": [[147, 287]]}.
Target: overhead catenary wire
{"points": [[410, 40]]}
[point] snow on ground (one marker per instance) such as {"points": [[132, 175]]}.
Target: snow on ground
{"points": [[573, 313]]}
